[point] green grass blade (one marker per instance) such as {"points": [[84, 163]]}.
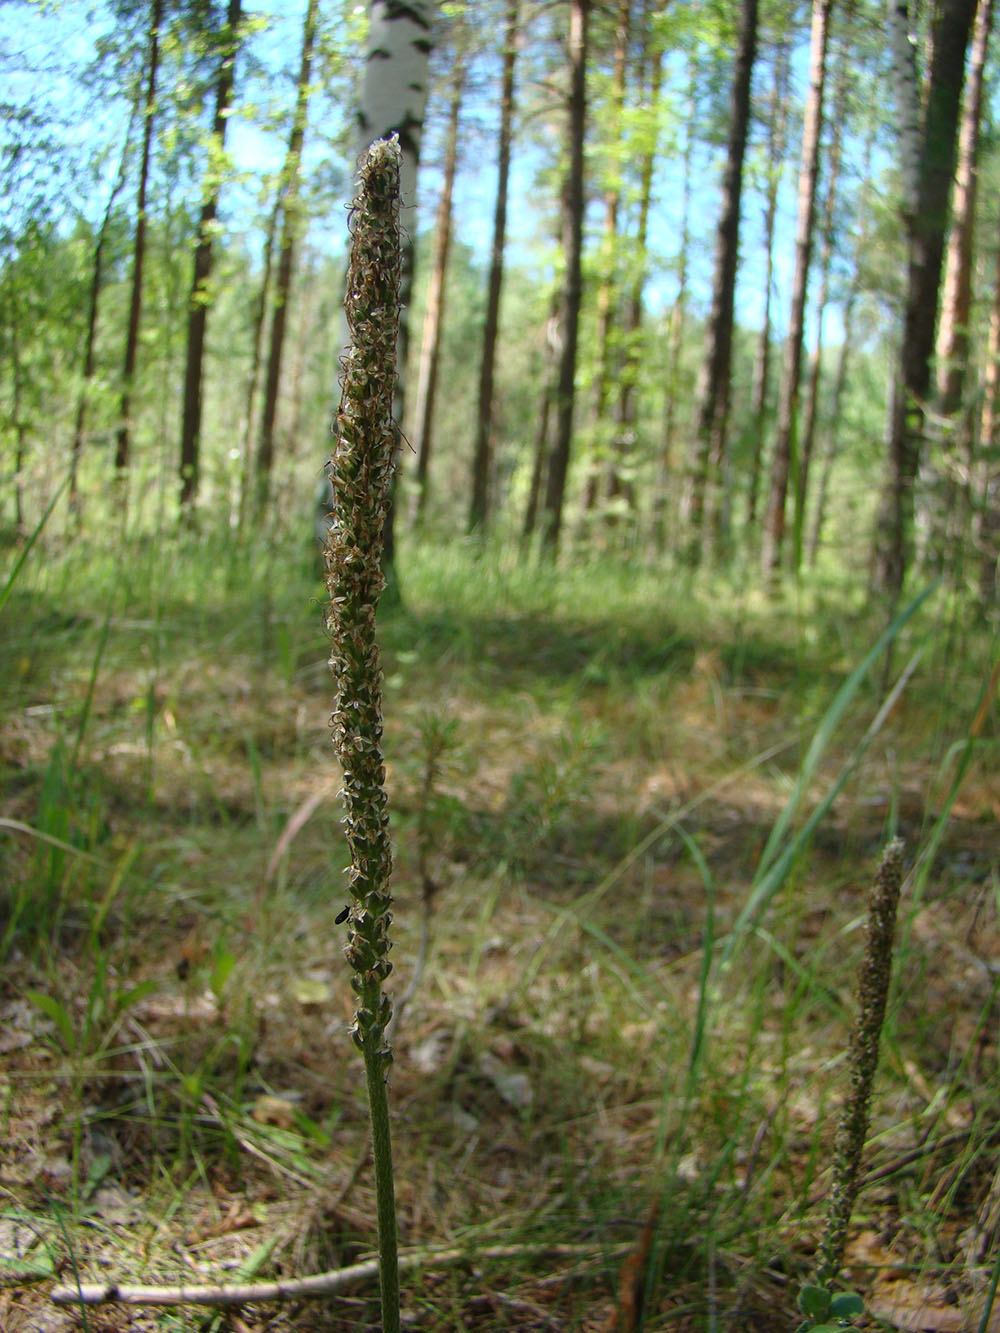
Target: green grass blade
{"points": [[8, 587], [774, 866], [829, 724]]}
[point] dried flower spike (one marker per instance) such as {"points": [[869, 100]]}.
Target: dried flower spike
{"points": [[360, 473], [873, 990]]}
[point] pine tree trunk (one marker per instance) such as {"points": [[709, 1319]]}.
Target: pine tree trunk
{"points": [[843, 361], [665, 507], [256, 357], [190, 459], [607, 291], [543, 420], [927, 226], [956, 296], [777, 124], [482, 465], [987, 534], [782, 461], [123, 444], [291, 227], [572, 240], [806, 443], [627, 409], [430, 342], [714, 391]]}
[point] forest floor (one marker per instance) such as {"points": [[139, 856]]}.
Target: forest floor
{"points": [[606, 1066]]}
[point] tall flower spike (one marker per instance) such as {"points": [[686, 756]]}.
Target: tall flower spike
{"points": [[873, 990], [360, 472]]}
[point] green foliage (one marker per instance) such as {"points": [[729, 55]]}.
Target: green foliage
{"points": [[828, 1311]]}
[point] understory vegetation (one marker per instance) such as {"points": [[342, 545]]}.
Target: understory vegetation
{"points": [[628, 920]]}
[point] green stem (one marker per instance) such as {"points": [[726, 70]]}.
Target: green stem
{"points": [[385, 1194]]}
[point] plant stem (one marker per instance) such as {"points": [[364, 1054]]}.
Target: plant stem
{"points": [[385, 1191]]}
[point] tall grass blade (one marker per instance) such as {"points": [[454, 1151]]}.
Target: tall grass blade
{"points": [[829, 724], [775, 865], [8, 587]]}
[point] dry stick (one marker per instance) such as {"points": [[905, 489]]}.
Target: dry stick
{"points": [[321, 1284], [873, 989]]}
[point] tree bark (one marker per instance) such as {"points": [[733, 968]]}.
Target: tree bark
{"points": [[927, 226], [482, 464], [825, 261], [123, 445], [843, 361], [607, 291], [543, 420], [430, 342], [988, 528], [777, 125], [956, 297], [781, 464], [716, 376], [626, 414], [190, 457], [291, 226], [664, 509], [256, 356], [572, 240]]}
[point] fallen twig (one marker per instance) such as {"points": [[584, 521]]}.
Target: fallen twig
{"points": [[320, 1284]]}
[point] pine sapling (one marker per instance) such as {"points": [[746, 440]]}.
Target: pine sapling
{"points": [[360, 472]]}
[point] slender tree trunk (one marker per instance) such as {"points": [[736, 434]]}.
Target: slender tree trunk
{"points": [[291, 226], [253, 380], [123, 446], [777, 125], [956, 296], [90, 338], [784, 445], [482, 464], [987, 536], [540, 450], [430, 343], [948, 492], [843, 361], [927, 220], [572, 223], [825, 262], [833, 431], [190, 459], [716, 377], [309, 283], [607, 291], [664, 507], [17, 414], [628, 384]]}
